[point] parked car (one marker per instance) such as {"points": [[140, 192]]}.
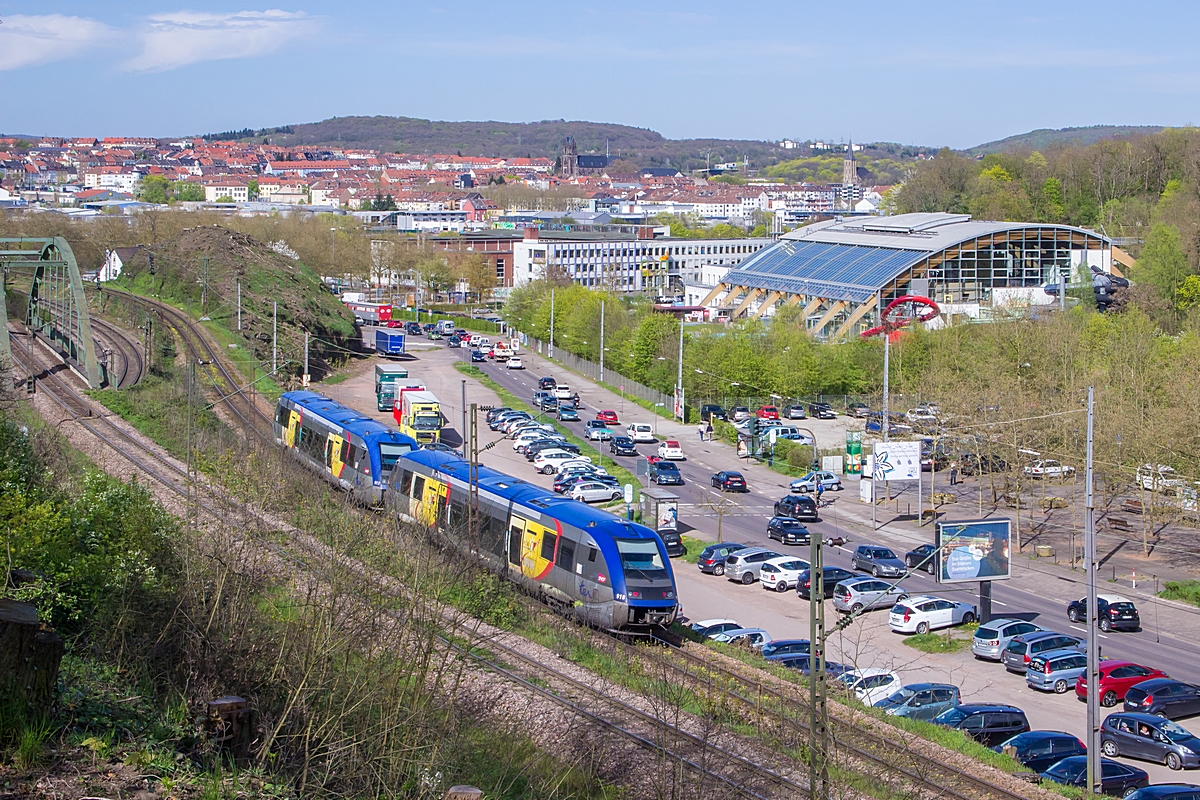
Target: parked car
{"points": [[1116, 679], [711, 411], [1039, 750], [781, 572], [477, 356], [1021, 649], [767, 412], [993, 636], [1116, 779], [977, 464], [858, 410], [752, 637], [921, 557], [795, 412], [987, 723], [567, 413], [827, 480], [707, 626], [1055, 670], [1049, 468], [549, 462], [1150, 738], [800, 507], [870, 685], [514, 362], [673, 542], [1158, 478], [926, 613], [787, 531], [865, 594], [622, 446], [1167, 791], [740, 413], [567, 480], [879, 561], [671, 451], [785, 647], [596, 492], [607, 417], [920, 700], [1114, 612], [730, 481], [1165, 697], [712, 558], [495, 412], [831, 576], [744, 565], [802, 663], [641, 432], [821, 411]]}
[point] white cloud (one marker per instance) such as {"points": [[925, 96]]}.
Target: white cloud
{"points": [[27, 40], [186, 37]]}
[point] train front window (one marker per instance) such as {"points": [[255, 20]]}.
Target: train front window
{"points": [[389, 453], [640, 558]]}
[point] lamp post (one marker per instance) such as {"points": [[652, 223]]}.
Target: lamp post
{"points": [[679, 379], [656, 415], [332, 250]]}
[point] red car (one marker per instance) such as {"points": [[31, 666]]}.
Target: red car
{"points": [[768, 412], [607, 417], [1116, 678]]}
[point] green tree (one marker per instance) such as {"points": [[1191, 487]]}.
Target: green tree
{"points": [[188, 191], [1163, 262], [252, 189], [153, 189]]}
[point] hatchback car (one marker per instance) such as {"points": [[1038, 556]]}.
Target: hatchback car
{"points": [[547, 383], [746, 637], [548, 404], [671, 451], [744, 565], [740, 413], [706, 626], [730, 481], [831, 577], [821, 411], [778, 648], [921, 557], [993, 636], [787, 531], [858, 410], [562, 391], [781, 573], [827, 480], [567, 413], [665, 473], [1116, 779], [987, 723], [549, 462], [795, 412], [879, 561], [1115, 613], [593, 434], [1021, 649], [1039, 750], [477, 356], [870, 685], [622, 446], [767, 412], [596, 492], [566, 481], [712, 558], [802, 663], [1150, 738], [1116, 679], [607, 417], [515, 363], [711, 411], [1165, 697], [920, 700], [854, 595], [1055, 670], [926, 613], [641, 433], [797, 506]]}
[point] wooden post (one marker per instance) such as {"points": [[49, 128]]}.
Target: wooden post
{"points": [[29, 658]]}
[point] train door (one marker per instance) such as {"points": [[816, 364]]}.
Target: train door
{"points": [[516, 532], [336, 454], [537, 550], [430, 498], [292, 437]]}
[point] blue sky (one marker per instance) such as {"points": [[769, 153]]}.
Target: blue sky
{"points": [[928, 73]]}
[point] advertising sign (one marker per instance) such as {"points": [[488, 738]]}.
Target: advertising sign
{"points": [[897, 461], [976, 550], [668, 516], [832, 464]]}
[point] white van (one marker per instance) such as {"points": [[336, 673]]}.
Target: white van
{"points": [[641, 432]]}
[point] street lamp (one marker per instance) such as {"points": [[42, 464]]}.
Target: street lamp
{"points": [[656, 415]]}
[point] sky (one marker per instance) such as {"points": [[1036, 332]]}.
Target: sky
{"points": [[928, 73]]}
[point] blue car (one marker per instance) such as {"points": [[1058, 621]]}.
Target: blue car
{"points": [[567, 413], [477, 356]]}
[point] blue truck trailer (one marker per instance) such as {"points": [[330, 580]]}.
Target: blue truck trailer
{"points": [[388, 344]]}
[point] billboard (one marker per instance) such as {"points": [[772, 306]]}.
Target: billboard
{"points": [[975, 550], [897, 461]]}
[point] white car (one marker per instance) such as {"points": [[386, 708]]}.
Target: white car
{"points": [[671, 451], [474, 340], [513, 363], [551, 461], [641, 433], [596, 492], [598, 434], [925, 613], [724, 622], [1158, 478], [484, 343], [781, 573], [562, 391], [1049, 469], [528, 435], [920, 415], [755, 637], [871, 685]]}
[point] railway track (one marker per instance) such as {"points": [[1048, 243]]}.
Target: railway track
{"points": [[131, 367]]}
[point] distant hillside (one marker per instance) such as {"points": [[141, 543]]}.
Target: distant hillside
{"points": [[639, 147], [1044, 137]]}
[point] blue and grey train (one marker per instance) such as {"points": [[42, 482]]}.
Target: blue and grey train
{"points": [[608, 572], [352, 451]]}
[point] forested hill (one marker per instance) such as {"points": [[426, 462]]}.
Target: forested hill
{"points": [[1042, 138]]}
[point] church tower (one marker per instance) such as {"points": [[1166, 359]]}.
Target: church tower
{"points": [[570, 160], [849, 167]]}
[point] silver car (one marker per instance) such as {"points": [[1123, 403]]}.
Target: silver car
{"points": [[992, 637], [1056, 670], [745, 565], [863, 594]]}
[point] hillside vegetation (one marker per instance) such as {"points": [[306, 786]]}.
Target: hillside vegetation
{"points": [[1042, 138]]}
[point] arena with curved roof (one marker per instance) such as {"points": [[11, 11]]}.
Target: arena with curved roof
{"points": [[844, 272]]}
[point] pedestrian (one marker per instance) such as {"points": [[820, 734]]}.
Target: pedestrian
{"points": [[820, 490], [953, 473], [700, 430], [708, 430]]}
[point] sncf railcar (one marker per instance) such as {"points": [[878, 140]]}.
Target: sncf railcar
{"points": [[351, 450], [608, 572]]}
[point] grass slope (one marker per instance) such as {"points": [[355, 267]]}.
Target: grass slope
{"points": [[1044, 137]]}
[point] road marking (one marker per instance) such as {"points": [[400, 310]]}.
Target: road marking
{"points": [[1084, 630]]}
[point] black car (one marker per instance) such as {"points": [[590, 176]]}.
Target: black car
{"points": [[496, 412], [831, 575], [987, 723], [673, 542], [1167, 791], [477, 356], [712, 558], [821, 411], [547, 384], [797, 506], [665, 473], [785, 647], [729, 481], [1116, 779], [800, 661], [453, 341], [549, 403], [711, 411], [622, 446], [1040, 750], [787, 531], [1115, 612], [1165, 697], [922, 556], [549, 440], [440, 447], [413, 329], [567, 412]]}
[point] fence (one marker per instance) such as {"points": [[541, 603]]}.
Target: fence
{"points": [[611, 378]]}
